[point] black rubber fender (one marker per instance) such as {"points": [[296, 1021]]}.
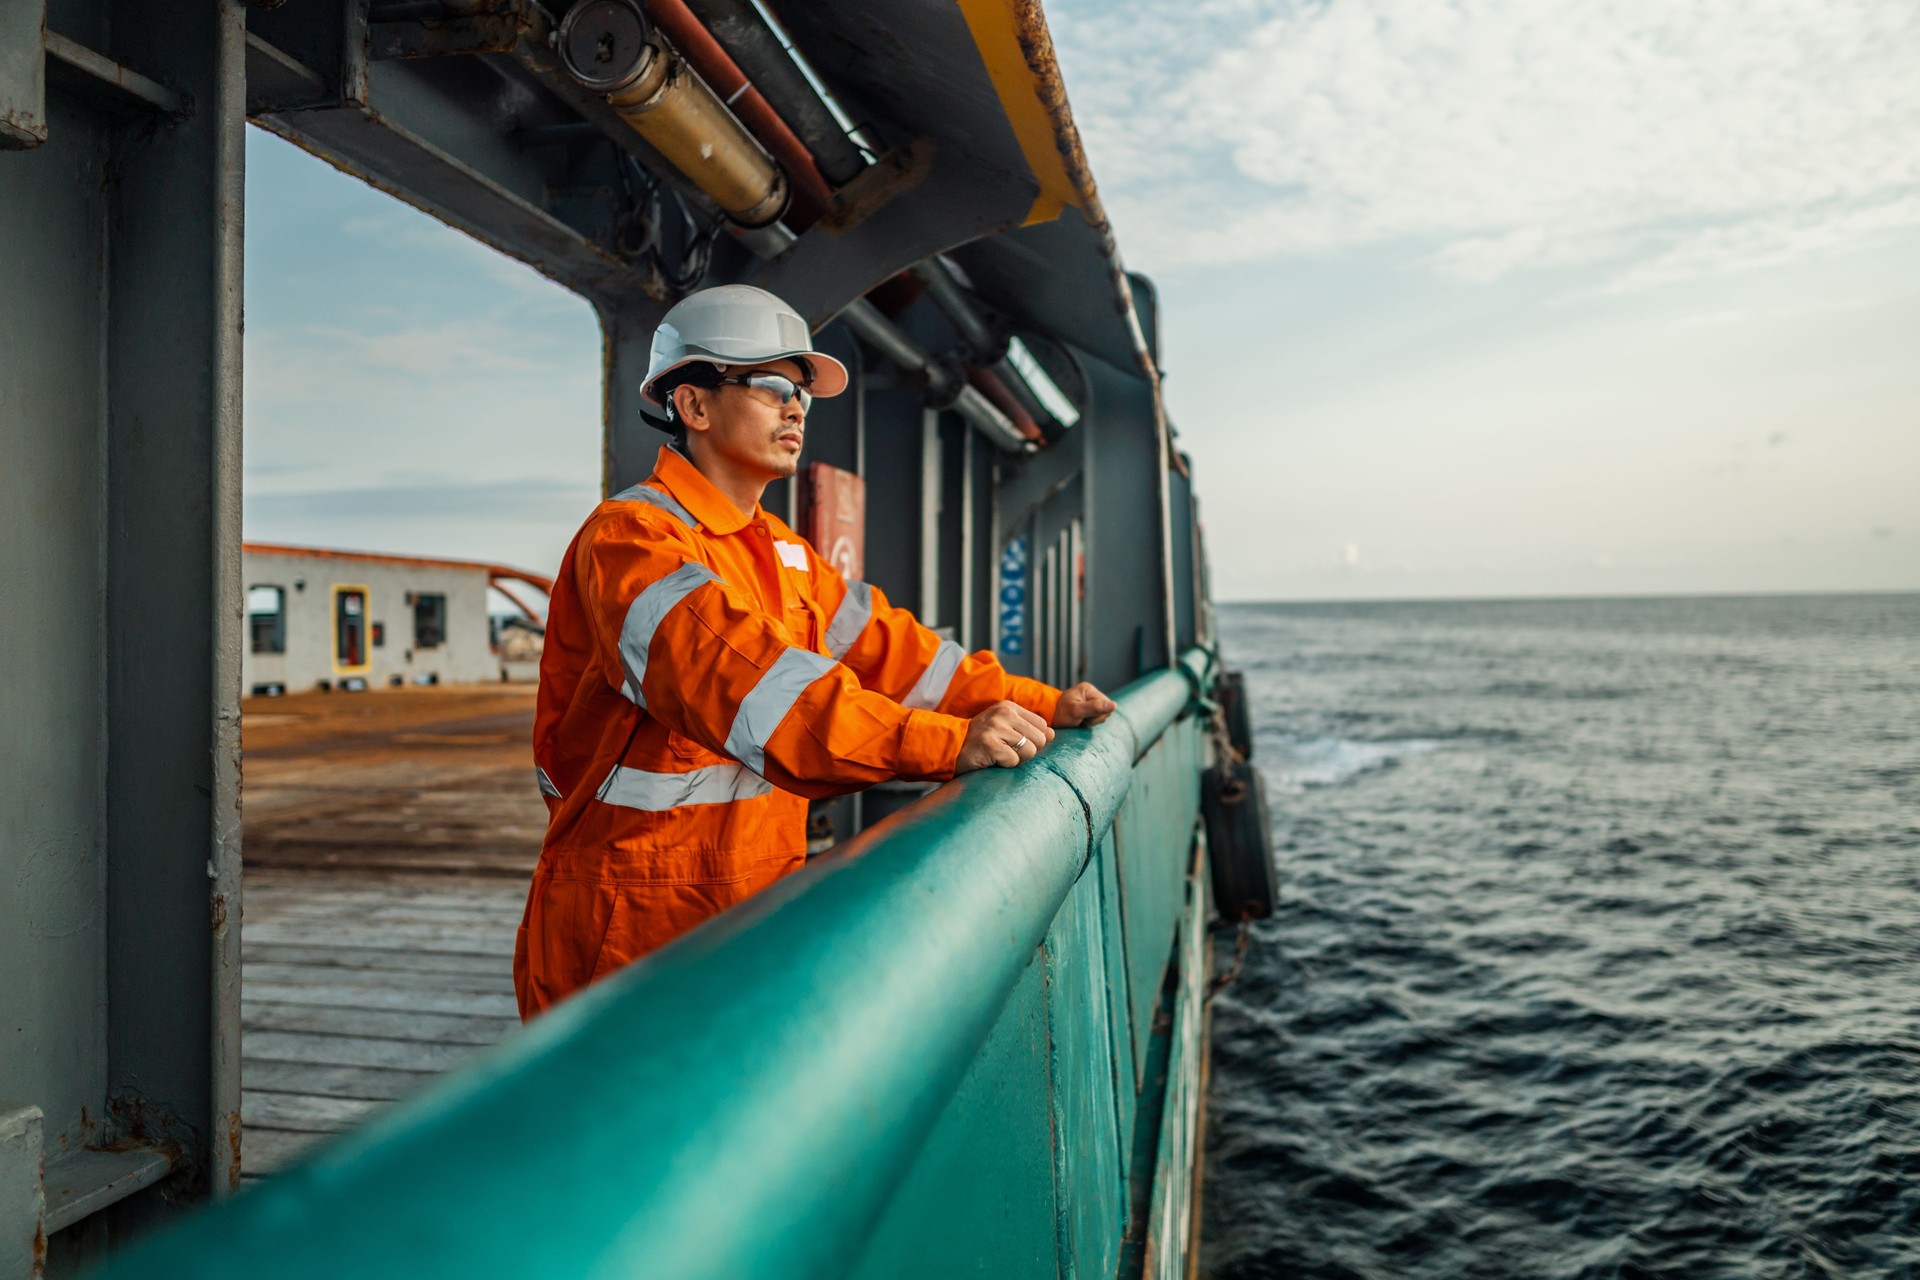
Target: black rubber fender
{"points": [[1230, 692], [1239, 841]]}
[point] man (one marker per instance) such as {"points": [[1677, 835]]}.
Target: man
{"points": [[706, 673]]}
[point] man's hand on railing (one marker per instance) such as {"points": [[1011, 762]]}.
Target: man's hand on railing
{"points": [[1081, 707], [1002, 736]]}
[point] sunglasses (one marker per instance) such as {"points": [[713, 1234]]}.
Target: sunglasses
{"points": [[783, 388]]}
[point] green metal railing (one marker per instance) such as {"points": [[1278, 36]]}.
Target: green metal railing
{"points": [[922, 1034]]}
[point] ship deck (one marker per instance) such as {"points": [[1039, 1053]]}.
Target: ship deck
{"points": [[388, 840]]}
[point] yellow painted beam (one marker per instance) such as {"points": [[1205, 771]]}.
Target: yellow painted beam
{"points": [[1013, 42]]}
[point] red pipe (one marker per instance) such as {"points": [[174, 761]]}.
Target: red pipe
{"points": [[697, 45], [989, 385]]}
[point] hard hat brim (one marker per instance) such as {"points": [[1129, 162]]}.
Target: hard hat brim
{"points": [[829, 375]]}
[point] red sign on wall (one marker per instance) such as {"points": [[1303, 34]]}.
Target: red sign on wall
{"points": [[836, 517]]}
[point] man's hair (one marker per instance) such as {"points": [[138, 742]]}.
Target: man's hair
{"points": [[698, 374]]}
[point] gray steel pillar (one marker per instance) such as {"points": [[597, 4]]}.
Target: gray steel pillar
{"points": [[121, 610], [630, 437], [175, 602], [1125, 537]]}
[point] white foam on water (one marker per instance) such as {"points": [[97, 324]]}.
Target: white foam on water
{"points": [[1299, 763]]}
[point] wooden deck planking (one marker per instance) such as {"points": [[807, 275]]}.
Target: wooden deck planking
{"points": [[371, 1084], [304, 1112], [377, 1024], [264, 1150], [407, 999], [394, 937], [388, 843], [494, 921], [326, 1049], [385, 960], [505, 901]]}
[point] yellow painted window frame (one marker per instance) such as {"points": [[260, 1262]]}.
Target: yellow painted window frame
{"points": [[366, 623]]}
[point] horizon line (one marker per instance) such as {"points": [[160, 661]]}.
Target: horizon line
{"points": [[1779, 594]]}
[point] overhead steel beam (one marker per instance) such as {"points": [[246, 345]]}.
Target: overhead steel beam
{"points": [[928, 209]]}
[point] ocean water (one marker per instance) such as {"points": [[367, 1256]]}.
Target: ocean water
{"points": [[1599, 951]]}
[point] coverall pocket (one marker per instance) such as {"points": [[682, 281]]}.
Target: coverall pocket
{"points": [[565, 933]]}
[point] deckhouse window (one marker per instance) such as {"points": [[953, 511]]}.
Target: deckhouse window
{"points": [[267, 619], [429, 621]]}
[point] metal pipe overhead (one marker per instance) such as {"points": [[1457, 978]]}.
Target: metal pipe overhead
{"points": [[729, 83], [994, 387], [758, 50], [990, 422], [608, 47], [987, 346], [991, 348], [865, 319]]}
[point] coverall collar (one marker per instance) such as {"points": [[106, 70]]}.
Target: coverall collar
{"points": [[712, 508]]}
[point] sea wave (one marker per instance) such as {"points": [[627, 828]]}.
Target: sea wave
{"points": [[1567, 984]]}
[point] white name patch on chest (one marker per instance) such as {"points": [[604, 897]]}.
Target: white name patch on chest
{"points": [[792, 555]]}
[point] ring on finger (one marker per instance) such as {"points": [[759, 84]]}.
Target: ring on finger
{"points": [[1020, 744]]}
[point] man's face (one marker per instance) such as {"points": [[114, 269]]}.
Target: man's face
{"points": [[747, 426]]}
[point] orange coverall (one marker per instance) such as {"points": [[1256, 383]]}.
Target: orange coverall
{"points": [[705, 674]]}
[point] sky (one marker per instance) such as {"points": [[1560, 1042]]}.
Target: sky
{"points": [[1489, 298], [407, 389]]}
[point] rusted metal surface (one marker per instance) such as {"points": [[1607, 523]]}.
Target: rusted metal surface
{"points": [[235, 1145], [23, 87], [23, 1237], [895, 173], [1036, 43], [448, 37]]}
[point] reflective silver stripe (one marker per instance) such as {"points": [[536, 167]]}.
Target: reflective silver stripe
{"points": [[850, 619], [545, 783], [762, 710], [654, 792], [931, 688], [645, 615], [654, 498]]}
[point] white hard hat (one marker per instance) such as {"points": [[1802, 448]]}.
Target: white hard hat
{"points": [[736, 324]]}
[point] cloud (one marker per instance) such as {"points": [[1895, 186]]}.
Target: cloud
{"points": [[1490, 136], [465, 347], [402, 229]]}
